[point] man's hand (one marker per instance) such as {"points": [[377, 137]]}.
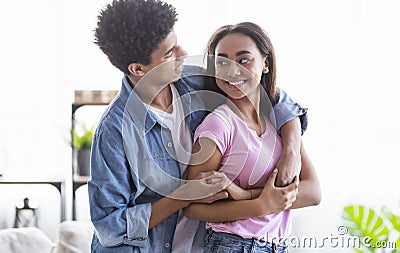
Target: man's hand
{"points": [[289, 166], [206, 187]]}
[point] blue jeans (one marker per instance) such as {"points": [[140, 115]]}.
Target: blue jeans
{"points": [[217, 242]]}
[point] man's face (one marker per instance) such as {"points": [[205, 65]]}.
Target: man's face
{"points": [[166, 61]]}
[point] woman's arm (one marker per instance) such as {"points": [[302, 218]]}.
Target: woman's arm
{"points": [[267, 200], [207, 157], [271, 200], [309, 187]]}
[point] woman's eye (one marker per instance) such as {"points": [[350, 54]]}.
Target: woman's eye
{"points": [[244, 61], [221, 63]]}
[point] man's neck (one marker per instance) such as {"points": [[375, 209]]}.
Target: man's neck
{"points": [[159, 97], [163, 100]]}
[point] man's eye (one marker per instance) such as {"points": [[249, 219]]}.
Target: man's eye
{"points": [[169, 54]]}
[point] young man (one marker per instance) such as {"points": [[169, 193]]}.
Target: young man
{"points": [[143, 141]]}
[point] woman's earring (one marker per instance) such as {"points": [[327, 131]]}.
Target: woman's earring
{"points": [[265, 70]]}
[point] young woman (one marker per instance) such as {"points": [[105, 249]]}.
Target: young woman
{"points": [[238, 138]]}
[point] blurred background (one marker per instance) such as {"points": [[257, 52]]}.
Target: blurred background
{"points": [[338, 58]]}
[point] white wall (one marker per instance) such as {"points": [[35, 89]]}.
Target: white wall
{"points": [[338, 58]]}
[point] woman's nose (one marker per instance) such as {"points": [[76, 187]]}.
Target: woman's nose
{"points": [[234, 69]]}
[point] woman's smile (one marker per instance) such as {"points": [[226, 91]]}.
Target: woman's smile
{"points": [[236, 83]]}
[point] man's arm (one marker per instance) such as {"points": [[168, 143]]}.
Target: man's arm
{"points": [[116, 217], [110, 189], [291, 122], [289, 163], [193, 191], [286, 109]]}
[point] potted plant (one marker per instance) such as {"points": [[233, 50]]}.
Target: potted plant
{"points": [[378, 231], [82, 138]]}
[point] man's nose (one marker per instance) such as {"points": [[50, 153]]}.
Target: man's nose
{"points": [[181, 52]]}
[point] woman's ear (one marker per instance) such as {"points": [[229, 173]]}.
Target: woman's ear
{"points": [[266, 64], [136, 69]]}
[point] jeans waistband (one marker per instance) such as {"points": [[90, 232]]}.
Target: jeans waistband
{"points": [[245, 242]]}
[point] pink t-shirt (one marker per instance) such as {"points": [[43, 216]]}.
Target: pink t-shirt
{"points": [[248, 159]]}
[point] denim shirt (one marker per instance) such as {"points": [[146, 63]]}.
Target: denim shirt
{"points": [[133, 165]]}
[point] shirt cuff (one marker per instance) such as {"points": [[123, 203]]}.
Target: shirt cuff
{"points": [[138, 218]]}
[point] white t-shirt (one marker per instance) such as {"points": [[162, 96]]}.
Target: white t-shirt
{"points": [[175, 122]]}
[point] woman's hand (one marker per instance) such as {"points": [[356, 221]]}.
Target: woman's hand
{"points": [[276, 199], [236, 192]]}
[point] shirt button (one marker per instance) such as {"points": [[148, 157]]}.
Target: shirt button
{"points": [[169, 144], [166, 245]]}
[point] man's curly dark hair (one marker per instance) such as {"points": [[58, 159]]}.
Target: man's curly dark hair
{"points": [[128, 31]]}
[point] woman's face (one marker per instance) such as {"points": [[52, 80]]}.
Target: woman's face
{"points": [[238, 65]]}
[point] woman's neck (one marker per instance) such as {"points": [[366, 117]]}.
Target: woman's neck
{"points": [[248, 109]]}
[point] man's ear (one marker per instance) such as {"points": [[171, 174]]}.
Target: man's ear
{"points": [[136, 69]]}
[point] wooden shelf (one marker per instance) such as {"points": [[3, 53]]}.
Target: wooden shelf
{"points": [[81, 179], [56, 182], [84, 98]]}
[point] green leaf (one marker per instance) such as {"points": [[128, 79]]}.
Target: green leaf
{"points": [[363, 221], [397, 245], [82, 139], [394, 219]]}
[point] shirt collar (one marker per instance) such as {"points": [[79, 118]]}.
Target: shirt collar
{"points": [[139, 113], [143, 119]]}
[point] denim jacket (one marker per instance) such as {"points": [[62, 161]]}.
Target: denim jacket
{"points": [[133, 165]]}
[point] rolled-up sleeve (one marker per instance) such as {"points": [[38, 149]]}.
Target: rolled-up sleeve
{"points": [[286, 109], [138, 217], [112, 191]]}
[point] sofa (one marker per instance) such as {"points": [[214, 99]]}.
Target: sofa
{"points": [[73, 237]]}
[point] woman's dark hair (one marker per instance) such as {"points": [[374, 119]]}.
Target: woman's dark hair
{"points": [[260, 37], [128, 31]]}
